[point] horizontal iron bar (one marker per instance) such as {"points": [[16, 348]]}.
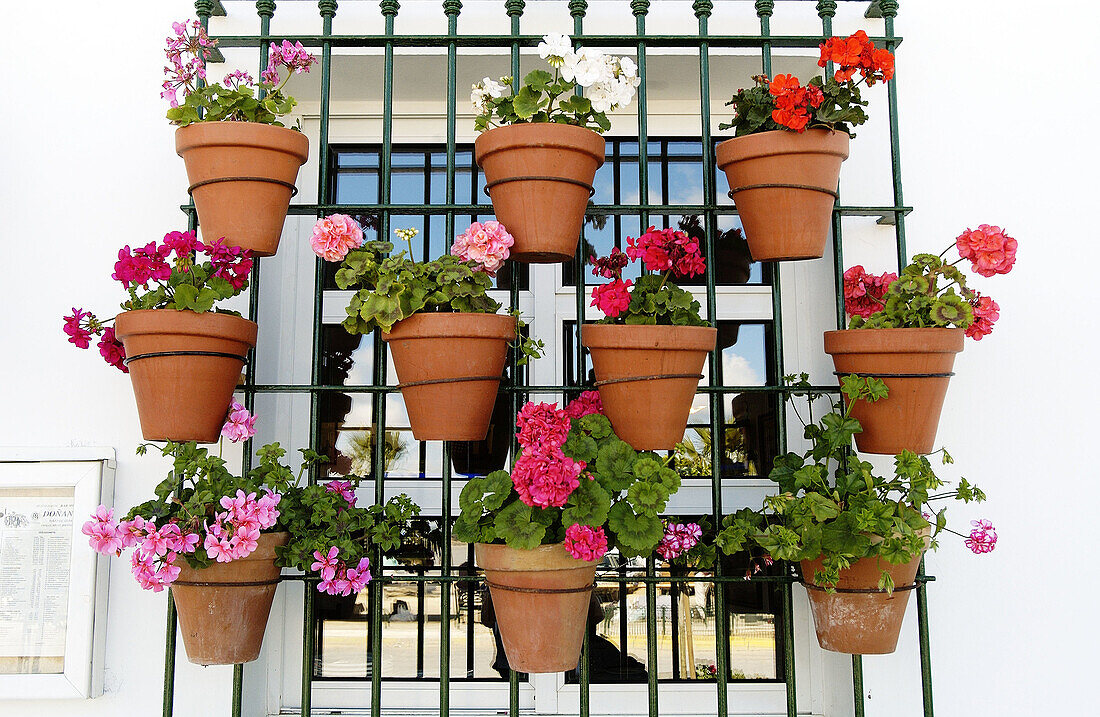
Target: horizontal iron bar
{"points": [[609, 579], [506, 41], [291, 388], [600, 210]]}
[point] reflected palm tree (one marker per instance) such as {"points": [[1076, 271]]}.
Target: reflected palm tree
{"points": [[361, 452]]}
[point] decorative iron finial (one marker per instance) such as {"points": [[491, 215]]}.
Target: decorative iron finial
{"points": [[702, 8], [640, 7], [826, 8], [265, 8], [578, 8], [764, 8], [204, 8], [889, 8], [389, 7], [514, 8], [452, 7], [327, 8]]}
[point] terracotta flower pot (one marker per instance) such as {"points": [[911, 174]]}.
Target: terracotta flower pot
{"points": [[916, 366], [647, 377], [449, 367], [242, 177], [784, 185], [223, 609], [860, 623], [541, 601], [183, 367], [539, 177]]}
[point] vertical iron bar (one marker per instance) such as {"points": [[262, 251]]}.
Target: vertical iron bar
{"points": [[514, 9], [651, 636], [857, 685], [925, 650], [826, 10], [640, 8], [788, 648], [578, 9], [451, 8], [889, 10], [167, 702], [703, 10], [389, 9]]}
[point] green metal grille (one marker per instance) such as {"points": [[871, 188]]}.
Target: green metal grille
{"points": [[762, 40]]}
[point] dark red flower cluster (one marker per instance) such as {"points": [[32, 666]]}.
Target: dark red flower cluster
{"points": [[863, 292], [793, 102], [857, 53], [667, 250], [611, 266]]}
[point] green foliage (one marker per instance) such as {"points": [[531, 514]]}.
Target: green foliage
{"points": [[918, 300], [541, 98], [655, 301], [841, 109], [391, 287], [834, 506], [315, 517], [621, 490], [215, 103]]}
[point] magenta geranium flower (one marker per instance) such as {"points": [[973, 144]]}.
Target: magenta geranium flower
{"points": [[612, 298], [678, 539], [983, 537], [584, 404], [585, 543], [546, 477], [542, 425]]}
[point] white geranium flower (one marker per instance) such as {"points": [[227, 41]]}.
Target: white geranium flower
{"points": [[587, 67], [627, 67], [603, 100], [554, 49], [482, 92], [495, 89]]}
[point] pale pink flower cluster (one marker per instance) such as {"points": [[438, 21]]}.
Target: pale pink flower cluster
{"points": [[486, 244], [334, 236], [153, 562], [236, 530], [336, 577], [983, 538], [678, 539], [585, 543], [239, 423]]}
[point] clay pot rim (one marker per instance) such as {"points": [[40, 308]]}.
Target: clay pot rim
{"points": [[544, 558], [186, 322], [871, 583], [227, 573], [932, 340], [780, 142], [649, 337], [454, 325], [550, 135], [242, 134]]}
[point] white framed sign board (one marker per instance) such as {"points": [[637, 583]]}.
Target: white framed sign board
{"points": [[53, 586]]}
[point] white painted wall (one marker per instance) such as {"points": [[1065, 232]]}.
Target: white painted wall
{"points": [[89, 166]]}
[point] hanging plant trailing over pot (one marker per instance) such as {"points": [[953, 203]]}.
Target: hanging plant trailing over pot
{"points": [[648, 351], [241, 161], [541, 157], [447, 341], [575, 491], [859, 536], [219, 540], [907, 331], [783, 165], [184, 355]]}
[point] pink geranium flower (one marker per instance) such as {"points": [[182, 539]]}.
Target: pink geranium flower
{"points": [[344, 488], [983, 537], [678, 539], [239, 424], [112, 350], [79, 335], [487, 244], [334, 236], [588, 402], [612, 298], [542, 425], [545, 478], [863, 292], [585, 543], [986, 311], [988, 248]]}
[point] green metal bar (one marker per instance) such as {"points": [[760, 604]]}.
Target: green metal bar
{"points": [[626, 577], [788, 649], [640, 8], [889, 9], [651, 637], [238, 689], [425, 41], [167, 701], [303, 388], [703, 10], [578, 9], [857, 685], [925, 650]]}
